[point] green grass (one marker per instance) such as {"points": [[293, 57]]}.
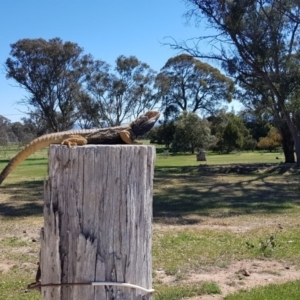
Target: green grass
{"points": [[286, 291], [19, 248], [13, 242], [180, 192], [180, 251], [163, 160], [13, 286], [33, 168], [179, 291]]}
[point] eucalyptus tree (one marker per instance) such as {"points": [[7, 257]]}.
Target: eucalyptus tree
{"points": [[122, 93], [256, 42], [52, 72], [36, 121], [256, 96], [231, 132], [6, 134], [258, 124], [188, 84], [15, 132], [191, 133], [272, 141]]}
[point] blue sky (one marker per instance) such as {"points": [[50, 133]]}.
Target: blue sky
{"points": [[104, 28]]}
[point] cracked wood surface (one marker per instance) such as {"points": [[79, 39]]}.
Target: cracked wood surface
{"points": [[98, 221]]}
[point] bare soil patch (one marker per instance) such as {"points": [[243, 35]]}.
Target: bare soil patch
{"points": [[239, 275]]}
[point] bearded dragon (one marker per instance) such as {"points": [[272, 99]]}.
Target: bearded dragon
{"points": [[125, 134]]}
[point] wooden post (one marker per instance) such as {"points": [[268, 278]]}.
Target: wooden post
{"points": [[201, 156], [98, 222]]}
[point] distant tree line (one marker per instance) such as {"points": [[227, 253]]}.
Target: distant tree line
{"points": [[17, 132], [223, 132]]}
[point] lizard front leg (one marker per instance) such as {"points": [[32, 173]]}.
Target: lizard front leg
{"points": [[74, 140], [126, 137]]}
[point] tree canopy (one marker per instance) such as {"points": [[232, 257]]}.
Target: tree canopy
{"points": [[52, 72], [191, 133], [123, 93], [232, 132], [271, 141], [15, 132], [188, 84]]}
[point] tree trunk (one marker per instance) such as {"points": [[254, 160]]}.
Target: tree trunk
{"points": [[287, 143], [296, 137], [98, 222]]}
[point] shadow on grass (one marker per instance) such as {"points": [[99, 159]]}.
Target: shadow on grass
{"points": [[180, 192], [25, 199], [28, 159], [184, 191], [4, 160]]}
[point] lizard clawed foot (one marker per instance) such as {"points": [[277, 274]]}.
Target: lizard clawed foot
{"points": [[74, 140]]}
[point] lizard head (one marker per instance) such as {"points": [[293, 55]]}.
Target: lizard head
{"points": [[145, 122]]}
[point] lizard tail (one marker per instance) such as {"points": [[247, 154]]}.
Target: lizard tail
{"points": [[32, 147]]}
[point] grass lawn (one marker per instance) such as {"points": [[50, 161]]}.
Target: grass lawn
{"points": [[206, 219], [167, 160]]}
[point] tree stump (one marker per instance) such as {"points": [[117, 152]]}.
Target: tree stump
{"points": [[201, 156], [98, 222]]}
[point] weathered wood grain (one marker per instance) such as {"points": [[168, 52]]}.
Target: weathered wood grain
{"points": [[98, 221]]}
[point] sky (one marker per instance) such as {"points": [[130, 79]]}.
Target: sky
{"points": [[105, 29]]}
